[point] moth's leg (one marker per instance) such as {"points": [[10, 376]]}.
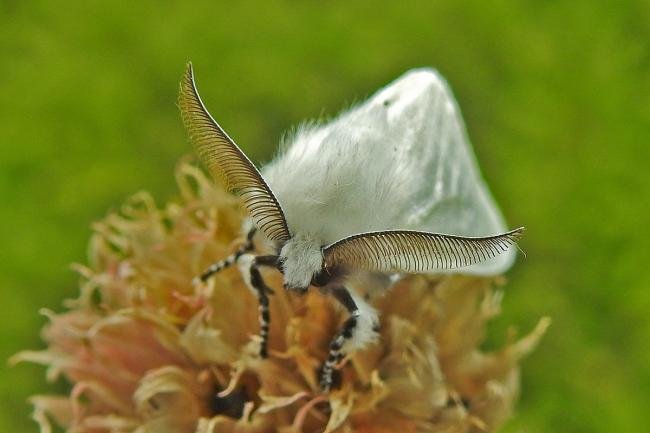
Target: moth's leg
{"points": [[249, 266], [228, 261], [358, 330]]}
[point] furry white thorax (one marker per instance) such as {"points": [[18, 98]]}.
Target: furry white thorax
{"points": [[400, 160], [301, 258]]}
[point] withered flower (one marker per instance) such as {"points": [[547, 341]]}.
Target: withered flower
{"points": [[146, 351]]}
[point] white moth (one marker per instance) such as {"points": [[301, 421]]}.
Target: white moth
{"points": [[390, 186]]}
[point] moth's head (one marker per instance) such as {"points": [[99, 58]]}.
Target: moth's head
{"points": [[301, 258]]}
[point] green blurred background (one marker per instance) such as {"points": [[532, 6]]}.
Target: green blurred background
{"points": [[556, 96]]}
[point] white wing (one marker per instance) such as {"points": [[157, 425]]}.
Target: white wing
{"points": [[399, 161]]}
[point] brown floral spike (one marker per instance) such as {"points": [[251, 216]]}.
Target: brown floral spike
{"points": [[144, 351]]}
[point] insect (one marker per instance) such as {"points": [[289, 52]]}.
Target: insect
{"points": [[388, 187]]}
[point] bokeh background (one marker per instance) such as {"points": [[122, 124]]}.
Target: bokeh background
{"points": [[556, 97]]}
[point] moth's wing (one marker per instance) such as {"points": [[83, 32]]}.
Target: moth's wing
{"points": [[451, 197], [399, 161], [413, 251], [225, 160]]}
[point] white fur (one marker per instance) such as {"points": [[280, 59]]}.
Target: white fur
{"points": [[367, 320], [400, 160], [244, 263], [301, 258]]}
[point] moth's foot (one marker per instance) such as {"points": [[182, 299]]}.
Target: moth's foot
{"points": [[264, 340], [330, 378]]}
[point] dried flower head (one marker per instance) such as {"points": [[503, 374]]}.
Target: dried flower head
{"points": [[145, 351]]}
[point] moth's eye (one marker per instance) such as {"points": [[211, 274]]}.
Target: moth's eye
{"points": [[386, 103]]}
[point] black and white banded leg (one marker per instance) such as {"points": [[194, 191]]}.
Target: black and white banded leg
{"points": [[336, 345], [228, 261], [249, 266]]}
